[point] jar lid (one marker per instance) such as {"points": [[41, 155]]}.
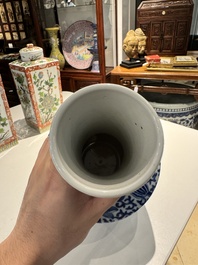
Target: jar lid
{"points": [[31, 52]]}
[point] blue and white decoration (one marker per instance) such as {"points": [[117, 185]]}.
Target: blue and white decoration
{"points": [[183, 114], [132, 202]]}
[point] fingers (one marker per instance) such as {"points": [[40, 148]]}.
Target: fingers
{"points": [[97, 206], [44, 151]]}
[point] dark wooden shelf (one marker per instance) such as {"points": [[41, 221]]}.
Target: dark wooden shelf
{"points": [[8, 82]]}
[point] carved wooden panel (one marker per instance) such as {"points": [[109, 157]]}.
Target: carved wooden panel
{"points": [[167, 44], [181, 28], [156, 28], [169, 28], [155, 43], [13, 19]]}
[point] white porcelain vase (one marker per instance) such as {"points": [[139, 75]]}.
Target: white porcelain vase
{"points": [[115, 111]]}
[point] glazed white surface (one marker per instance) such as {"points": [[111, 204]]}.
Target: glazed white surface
{"points": [[146, 237], [133, 122]]}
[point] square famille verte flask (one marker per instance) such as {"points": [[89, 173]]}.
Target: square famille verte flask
{"points": [[38, 85]]}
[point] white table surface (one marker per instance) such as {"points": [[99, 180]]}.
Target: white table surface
{"points": [[147, 237]]}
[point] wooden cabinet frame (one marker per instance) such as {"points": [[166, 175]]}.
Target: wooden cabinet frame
{"points": [[74, 79]]}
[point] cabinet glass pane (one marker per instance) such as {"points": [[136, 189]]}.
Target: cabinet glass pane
{"points": [[119, 18], [69, 15], [126, 13], [109, 11]]}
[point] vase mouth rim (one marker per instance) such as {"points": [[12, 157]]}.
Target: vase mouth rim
{"points": [[52, 28], [140, 135]]}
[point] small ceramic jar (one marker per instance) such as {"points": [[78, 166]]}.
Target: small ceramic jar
{"points": [[31, 53]]}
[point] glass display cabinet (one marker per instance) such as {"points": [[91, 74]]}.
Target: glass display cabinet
{"points": [[89, 37], [86, 44]]}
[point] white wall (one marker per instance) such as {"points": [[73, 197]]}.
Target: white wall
{"points": [[194, 25], [126, 12]]}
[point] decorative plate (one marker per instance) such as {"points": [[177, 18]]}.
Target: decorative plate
{"points": [[78, 38]]}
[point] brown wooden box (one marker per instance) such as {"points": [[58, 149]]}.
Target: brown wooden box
{"points": [[167, 24]]}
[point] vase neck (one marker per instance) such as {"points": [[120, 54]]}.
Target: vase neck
{"points": [[54, 41]]}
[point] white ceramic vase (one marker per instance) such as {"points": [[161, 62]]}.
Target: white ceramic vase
{"points": [[115, 111]]}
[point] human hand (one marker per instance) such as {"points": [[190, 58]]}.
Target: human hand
{"points": [[54, 217]]}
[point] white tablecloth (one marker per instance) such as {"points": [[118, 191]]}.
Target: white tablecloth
{"points": [[146, 237]]}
